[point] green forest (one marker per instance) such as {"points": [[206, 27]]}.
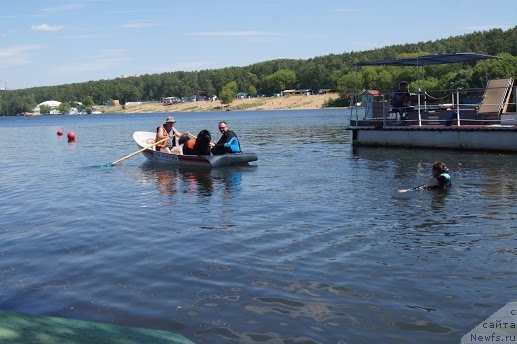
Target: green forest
{"points": [[335, 71]]}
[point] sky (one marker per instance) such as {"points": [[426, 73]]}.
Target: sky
{"points": [[52, 42]]}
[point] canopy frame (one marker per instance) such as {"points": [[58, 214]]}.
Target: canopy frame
{"points": [[419, 62]]}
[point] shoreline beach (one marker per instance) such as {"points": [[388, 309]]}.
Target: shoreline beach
{"points": [[300, 102]]}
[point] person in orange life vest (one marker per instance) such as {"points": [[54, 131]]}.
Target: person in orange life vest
{"points": [[167, 130], [199, 146]]}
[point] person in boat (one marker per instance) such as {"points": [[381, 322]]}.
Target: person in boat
{"points": [[228, 143], [401, 100], [440, 179], [198, 146], [167, 130]]}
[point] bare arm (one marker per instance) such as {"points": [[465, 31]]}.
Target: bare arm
{"points": [[176, 132], [420, 187]]}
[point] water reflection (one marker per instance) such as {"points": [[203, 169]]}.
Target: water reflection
{"points": [[483, 190], [194, 181], [438, 199], [493, 173], [314, 246], [167, 181], [292, 134]]}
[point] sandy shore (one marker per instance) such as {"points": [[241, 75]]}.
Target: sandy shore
{"points": [[271, 103]]}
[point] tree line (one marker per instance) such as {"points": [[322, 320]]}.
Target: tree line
{"points": [[335, 71]]}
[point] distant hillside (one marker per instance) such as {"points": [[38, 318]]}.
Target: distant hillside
{"points": [[333, 71]]}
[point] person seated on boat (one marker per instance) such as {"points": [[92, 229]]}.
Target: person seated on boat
{"points": [[167, 130], [228, 143], [440, 179], [401, 100], [198, 146]]}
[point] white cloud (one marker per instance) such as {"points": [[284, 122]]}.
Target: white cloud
{"points": [[487, 27], [108, 59], [369, 45], [64, 8], [179, 66], [9, 31], [84, 36], [345, 10], [233, 33], [137, 25], [46, 27], [191, 65], [16, 55], [261, 40]]}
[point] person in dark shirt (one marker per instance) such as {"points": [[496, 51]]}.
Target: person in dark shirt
{"points": [[401, 100], [228, 143], [440, 179]]}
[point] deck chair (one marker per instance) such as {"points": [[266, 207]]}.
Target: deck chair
{"points": [[495, 99]]}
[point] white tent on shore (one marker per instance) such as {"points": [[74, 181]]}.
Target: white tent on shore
{"points": [[52, 103]]}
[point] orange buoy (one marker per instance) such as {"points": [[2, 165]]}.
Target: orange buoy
{"points": [[71, 136], [59, 132]]}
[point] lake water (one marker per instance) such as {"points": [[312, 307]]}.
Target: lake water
{"points": [[311, 244]]}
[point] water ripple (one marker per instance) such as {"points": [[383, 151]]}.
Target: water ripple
{"points": [[311, 245]]}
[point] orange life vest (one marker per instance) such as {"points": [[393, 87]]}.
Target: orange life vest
{"points": [[164, 143], [191, 144]]}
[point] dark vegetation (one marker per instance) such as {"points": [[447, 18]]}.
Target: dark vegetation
{"points": [[335, 71]]}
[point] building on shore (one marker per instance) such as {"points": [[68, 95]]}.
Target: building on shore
{"points": [[286, 93], [372, 101], [326, 91], [170, 100]]}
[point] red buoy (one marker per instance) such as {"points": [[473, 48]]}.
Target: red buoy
{"points": [[59, 132], [71, 136]]}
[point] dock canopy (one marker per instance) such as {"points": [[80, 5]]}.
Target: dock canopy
{"points": [[426, 60]]}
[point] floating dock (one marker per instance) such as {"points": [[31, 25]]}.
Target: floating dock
{"points": [[483, 119], [16, 328], [497, 138]]}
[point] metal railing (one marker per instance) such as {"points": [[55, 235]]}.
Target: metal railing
{"points": [[442, 107]]}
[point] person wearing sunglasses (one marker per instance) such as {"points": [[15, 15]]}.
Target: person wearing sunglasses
{"points": [[228, 143]]}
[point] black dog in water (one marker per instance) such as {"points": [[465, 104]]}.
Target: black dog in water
{"points": [[201, 146]]}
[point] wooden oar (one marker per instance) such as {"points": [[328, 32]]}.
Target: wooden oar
{"points": [[189, 134], [138, 151]]}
